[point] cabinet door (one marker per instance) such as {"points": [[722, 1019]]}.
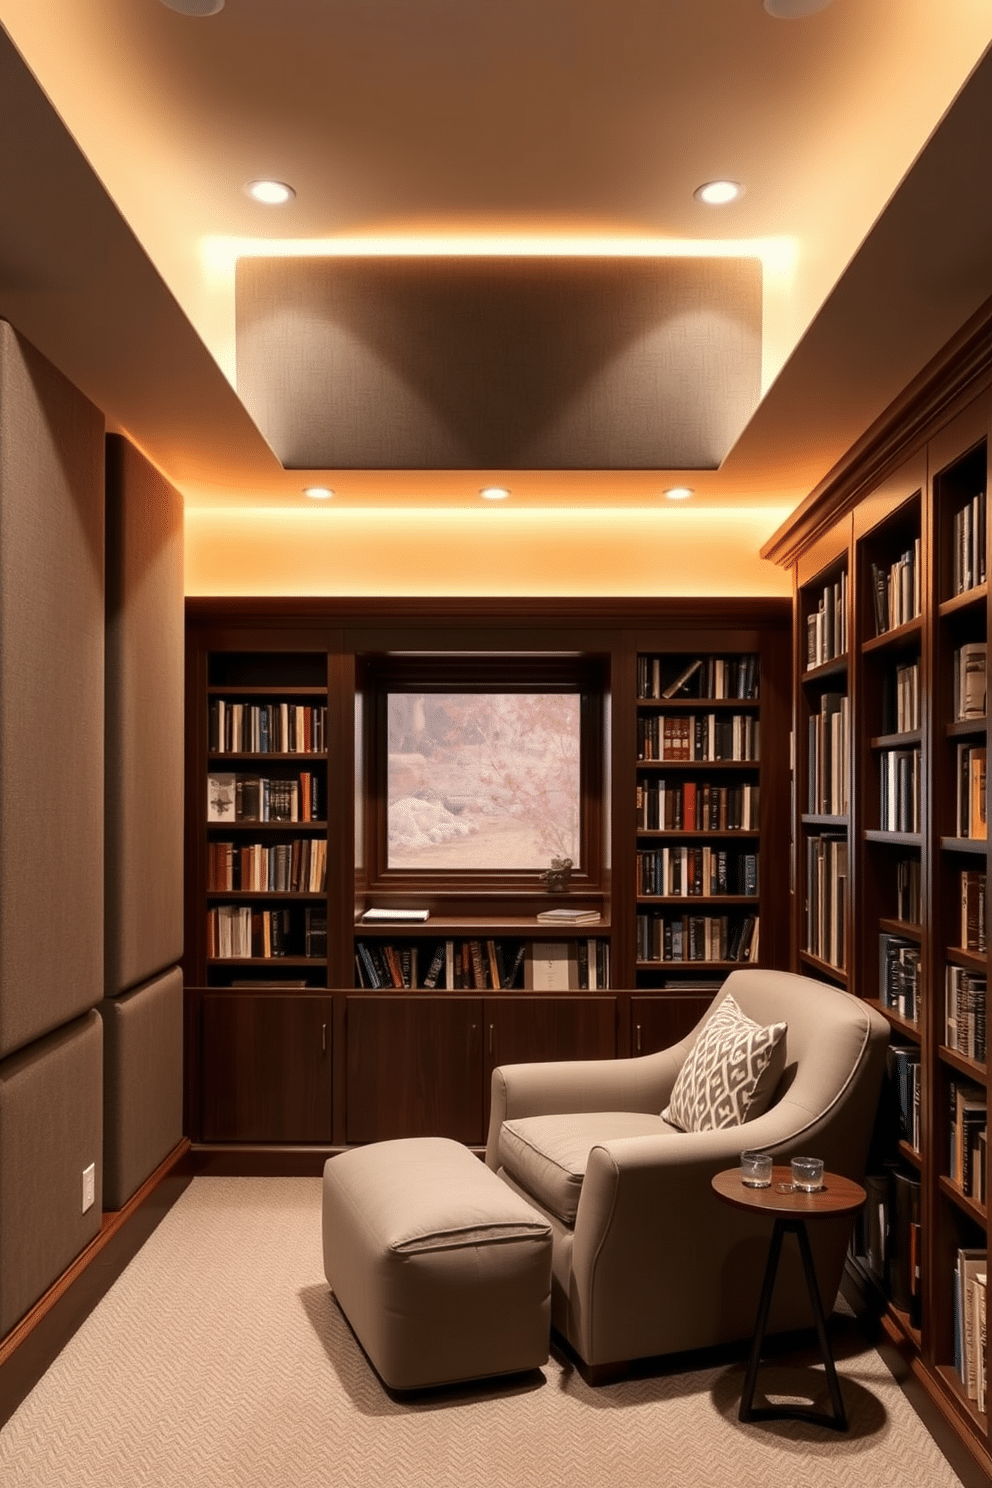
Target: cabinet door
{"points": [[265, 1068], [414, 1068], [658, 1022], [522, 1030]]}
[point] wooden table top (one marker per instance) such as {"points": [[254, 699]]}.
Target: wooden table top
{"points": [[837, 1196]]}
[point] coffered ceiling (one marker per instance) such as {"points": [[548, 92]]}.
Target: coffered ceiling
{"points": [[862, 134]]}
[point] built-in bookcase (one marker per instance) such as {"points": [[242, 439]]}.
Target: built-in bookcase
{"points": [[701, 817], [912, 534], [335, 995], [264, 803]]}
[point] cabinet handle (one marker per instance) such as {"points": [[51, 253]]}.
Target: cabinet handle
{"points": [[323, 1038], [638, 1028], [492, 1040]]}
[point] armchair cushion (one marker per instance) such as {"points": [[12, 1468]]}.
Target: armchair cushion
{"points": [[730, 1074], [547, 1155]]}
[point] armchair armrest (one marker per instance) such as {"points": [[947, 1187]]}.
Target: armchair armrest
{"points": [[642, 1084]]}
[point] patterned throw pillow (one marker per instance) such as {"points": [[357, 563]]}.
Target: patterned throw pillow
{"points": [[731, 1073]]}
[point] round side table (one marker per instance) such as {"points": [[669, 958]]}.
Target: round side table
{"points": [[792, 1210]]}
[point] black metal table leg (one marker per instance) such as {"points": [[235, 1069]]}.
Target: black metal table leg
{"points": [[748, 1412]]}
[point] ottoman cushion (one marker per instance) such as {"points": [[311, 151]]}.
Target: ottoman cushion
{"points": [[443, 1272]]}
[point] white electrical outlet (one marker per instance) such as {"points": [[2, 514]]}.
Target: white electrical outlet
{"points": [[89, 1187]]}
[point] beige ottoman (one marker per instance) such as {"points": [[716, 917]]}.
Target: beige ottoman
{"points": [[442, 1271]]}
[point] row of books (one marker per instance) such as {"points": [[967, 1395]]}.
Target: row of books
{"points": [[297, 867], [254, 798], [909, 903], [973, 931], [484, 965], [703, 677], [899, 971], [826, 626], [968, 1121], [904, 1075], [896, 590], [829, 756], [964, 1011], [696, 806], [970, 683], [236, 931], [267, 728], [901, 700], [826, 899], [692, 871], [899, 794], [697, 937], [698, 736], [888, 1237], [970, 805], [969, 545], [970, 1283]]}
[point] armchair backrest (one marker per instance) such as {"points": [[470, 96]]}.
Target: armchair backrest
{"points": [[835, 1060]]}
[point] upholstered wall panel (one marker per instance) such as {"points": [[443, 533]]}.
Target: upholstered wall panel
{"points": [[499, 363], [143, 1083], [51, 697], [144, 741], [51, 1116]]}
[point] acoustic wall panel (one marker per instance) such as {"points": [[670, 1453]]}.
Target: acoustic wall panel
{"points": [[499, 363], [143, 1083], [51, 1117], [144, 737], [51, 697]]}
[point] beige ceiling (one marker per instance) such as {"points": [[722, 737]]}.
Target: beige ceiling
{"points": [[554, 126]]}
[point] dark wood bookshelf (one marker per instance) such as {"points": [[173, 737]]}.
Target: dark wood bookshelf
{"points": [[278, 1066], [909, 497]]}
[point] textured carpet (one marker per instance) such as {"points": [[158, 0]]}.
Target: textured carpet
{"points": [[220, 1358]]}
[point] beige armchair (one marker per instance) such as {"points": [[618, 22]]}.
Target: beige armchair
{"points": [[646, 1260]]}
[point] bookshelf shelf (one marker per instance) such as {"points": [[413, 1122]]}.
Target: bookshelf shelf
{"points": [[263, 691], [973, 1069], [969, 1206], [894, 639], [911, 1155], [246, 756], [906, 928], [972, 600], [827, 670], [893, 839], [904, 1026], [823, 968]]}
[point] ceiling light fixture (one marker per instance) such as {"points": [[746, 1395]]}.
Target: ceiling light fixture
{"points": [[792, 10], [271, 193], [318, 493], [679, 493], [718, 193], [494, 493], [195, 7]]}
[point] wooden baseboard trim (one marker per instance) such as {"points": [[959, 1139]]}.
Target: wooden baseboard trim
{"points": [[30, 1347], [244, 1161]]}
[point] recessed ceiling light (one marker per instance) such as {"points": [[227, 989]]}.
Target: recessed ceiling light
{"points": [[318, 493], [679, 493], [195, 7], [494, 493], [791, 10], [272, 193], [718, 193]]}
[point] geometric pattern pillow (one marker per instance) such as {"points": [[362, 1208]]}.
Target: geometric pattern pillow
{"points": [[731, 1073]]}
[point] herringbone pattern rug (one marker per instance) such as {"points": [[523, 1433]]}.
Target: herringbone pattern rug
{"points": [[220, 1359]]}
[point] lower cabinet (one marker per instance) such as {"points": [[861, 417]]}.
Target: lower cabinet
{"points": [[264, 1067], [421, 1066], [658, 1022], [413, 1068]]}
